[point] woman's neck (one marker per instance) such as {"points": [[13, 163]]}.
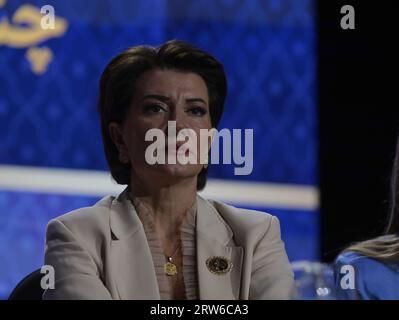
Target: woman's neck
{"points": [[167, 204]]}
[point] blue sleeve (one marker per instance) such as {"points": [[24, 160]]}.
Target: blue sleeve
{"points": [[360, 277], [346, 277]]}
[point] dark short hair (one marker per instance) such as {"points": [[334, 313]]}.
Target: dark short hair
{"points": [[117, 86]]}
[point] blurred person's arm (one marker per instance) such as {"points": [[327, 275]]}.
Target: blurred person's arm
{"points": [[364, 278]]}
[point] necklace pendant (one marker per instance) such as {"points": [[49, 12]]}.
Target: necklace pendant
{"points": [[170, 268]]}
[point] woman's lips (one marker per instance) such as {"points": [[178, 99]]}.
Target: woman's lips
{"points": [[176, 147]]}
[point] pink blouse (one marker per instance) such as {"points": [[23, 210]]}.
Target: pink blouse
{"points": [[188, 242]]}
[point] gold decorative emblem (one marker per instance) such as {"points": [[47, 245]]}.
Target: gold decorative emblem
{"points": [[219, 265], [170, 268], [28, 28]]}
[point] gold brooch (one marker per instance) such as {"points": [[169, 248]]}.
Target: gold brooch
{"points": [[219, 265]]}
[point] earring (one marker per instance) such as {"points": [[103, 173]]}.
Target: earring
{"points": [[123, 158]]}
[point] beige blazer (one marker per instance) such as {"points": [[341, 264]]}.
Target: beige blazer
{"points": [[101, 252]]}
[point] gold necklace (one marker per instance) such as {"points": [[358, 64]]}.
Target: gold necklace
{"points": [[169, 267]]}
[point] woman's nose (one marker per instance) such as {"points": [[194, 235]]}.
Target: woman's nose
{"points": [[179, 117]]}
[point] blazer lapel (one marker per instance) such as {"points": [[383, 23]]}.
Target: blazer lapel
{"points": [[214, 239], [131, 260]]}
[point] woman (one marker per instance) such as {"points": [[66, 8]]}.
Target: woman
{"points": [[370, 269], [158, 239]]}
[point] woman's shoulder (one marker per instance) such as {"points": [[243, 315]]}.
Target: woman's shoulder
{"points": [[351, 257], [241, 215], [372, 278], [84, 219], [363, 262], [246, 222]]}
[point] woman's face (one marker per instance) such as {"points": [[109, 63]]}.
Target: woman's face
{"points": [[162, 96]]}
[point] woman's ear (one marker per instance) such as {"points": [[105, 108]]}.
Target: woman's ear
{"points": [[116, 134]]}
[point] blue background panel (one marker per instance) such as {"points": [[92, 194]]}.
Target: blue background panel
{"points": [[268, 48]]}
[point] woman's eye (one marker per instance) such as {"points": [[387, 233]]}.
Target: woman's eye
{"points": [[197, 111], [154, 108]]}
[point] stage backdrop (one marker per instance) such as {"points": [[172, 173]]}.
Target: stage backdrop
{"points": [[49, 131]]}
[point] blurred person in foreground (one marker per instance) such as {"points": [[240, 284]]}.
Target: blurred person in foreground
{"points": [[369, 270], [159, 239]]}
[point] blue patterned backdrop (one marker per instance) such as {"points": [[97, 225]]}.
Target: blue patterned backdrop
{"points": [[48, 118]]}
